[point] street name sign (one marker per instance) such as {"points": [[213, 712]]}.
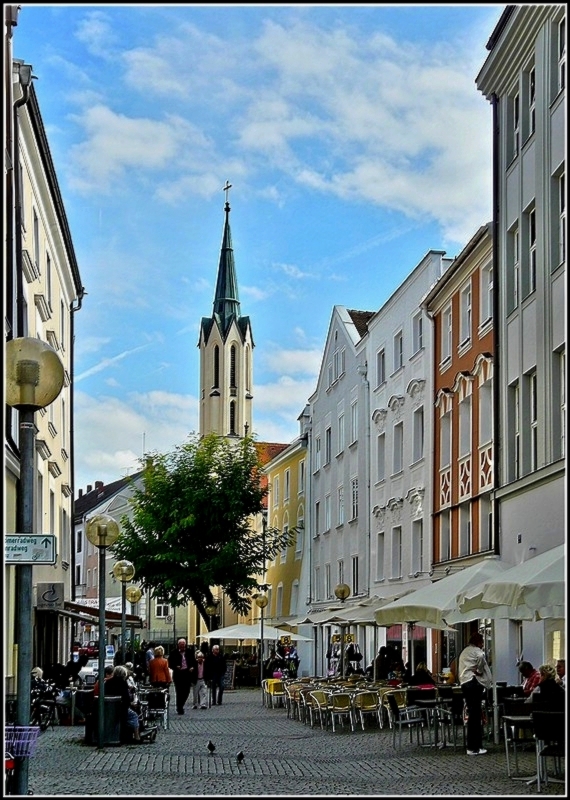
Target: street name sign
{"points": [[29, 548]]}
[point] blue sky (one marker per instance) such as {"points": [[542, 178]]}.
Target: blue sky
{"points": [[355, 141]]}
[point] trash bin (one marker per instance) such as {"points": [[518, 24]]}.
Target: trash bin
{"points": [[112, 724]]}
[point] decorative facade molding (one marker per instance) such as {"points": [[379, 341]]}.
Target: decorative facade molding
{"points": [[416, 391], [379, 418], [396, 405], [415, 497]]}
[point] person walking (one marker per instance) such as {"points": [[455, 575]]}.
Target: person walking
{"points": [[475, 677], [199, 689], [183, 665], [159, 671], [215, 670]]}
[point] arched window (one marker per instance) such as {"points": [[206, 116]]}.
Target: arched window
{"points": [[233, 417], [233, 375], [216, 367]]}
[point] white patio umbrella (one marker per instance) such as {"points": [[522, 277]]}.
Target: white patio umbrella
{"points": [[532, 590], [243, 631]]}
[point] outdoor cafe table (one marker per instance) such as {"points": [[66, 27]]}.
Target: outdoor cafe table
{"points": [[434, 705]]}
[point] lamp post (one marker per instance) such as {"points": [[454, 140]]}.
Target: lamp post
{"points": [[102, 531], [34, 378], [212, 610], [261, 601], [124, 571], [133, 595], [342, 591]]}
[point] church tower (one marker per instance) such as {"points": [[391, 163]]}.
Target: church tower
{"points": [[226, 348]]}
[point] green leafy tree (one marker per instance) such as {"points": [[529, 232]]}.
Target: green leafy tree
{"points": [[191, 526]]}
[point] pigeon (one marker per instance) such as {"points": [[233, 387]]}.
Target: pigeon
{"points": [[211, 747], [240, 757]]}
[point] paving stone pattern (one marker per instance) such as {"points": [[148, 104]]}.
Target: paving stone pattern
{"points": [[282, 757]]}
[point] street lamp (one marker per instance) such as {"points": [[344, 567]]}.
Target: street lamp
{"points": [[342, 591], [34, 378], [212, 610], [133, 595], [124, 571], [102, 531], [261, 601]]}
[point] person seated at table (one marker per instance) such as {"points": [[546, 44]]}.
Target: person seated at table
{"points": [[107, 673], [397, 670], [117, 686], [561, 672], [422, 676], [548, 695], [531, 677]]}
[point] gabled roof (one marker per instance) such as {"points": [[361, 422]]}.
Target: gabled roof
{"points": [[101, 492], [360, 319]]}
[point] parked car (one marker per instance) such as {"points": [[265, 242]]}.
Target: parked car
{"points": [[90, 649], [89, 673]]}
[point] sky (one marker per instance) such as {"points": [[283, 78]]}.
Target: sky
{"points": [[355, 141]]}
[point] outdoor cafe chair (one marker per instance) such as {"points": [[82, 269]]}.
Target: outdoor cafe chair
{"points": [[367, 702], [340, 705], [410, 717], [293, 700], [276, 691], [550, 735], [400, 697], [318, 705]]}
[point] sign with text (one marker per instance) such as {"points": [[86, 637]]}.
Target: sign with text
{"points": [[29, 548], [49, 596]]}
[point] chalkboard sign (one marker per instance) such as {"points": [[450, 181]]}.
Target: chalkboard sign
{"points": [[230, 677]]}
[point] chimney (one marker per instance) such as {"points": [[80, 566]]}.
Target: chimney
{"points": [[81, 493], [89, 488]]}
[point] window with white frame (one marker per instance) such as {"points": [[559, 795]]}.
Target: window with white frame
{"points": [[287, 487], [317, 454], [301, 477], [418, 443], [559, 404], [328, 445], [62, 328], [317, 518], [516, 126], [161, 608], [398, 454], [279, 600], [465, 529], [485, 413], [531, 277], [465, 314], [340, 505], [355, 584], [275, 491], [513, 268], [485, 523], [380, 367], [294, 597], [418, 332], [514, 443], [48, 281], [36, 231], [285, 547], [381, 456], [338, 363], [398, 351], [340, 571], [330, 375], [445, 439], [380, 545], [317, 586], [532, 420], [444, 536], [354, 498], [446, 321], [354, 422], [340, 445], [79, 541], [328, 585], [465, 426], [562, 219], [531, 91], [417, 546], [299, 537], [397, 552], [486, 293], [327, 512]]}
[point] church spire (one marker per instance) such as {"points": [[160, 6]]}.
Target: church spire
{"points": [[226, 298]]}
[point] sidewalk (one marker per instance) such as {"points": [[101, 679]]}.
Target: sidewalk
{"points": [[282, 756]]}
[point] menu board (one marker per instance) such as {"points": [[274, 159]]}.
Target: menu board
{"points": [[230, 677]]}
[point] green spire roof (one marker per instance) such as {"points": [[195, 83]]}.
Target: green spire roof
{"points": [[226, 299]]}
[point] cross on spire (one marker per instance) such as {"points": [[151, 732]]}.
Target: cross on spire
{"points": [[226, 189]]}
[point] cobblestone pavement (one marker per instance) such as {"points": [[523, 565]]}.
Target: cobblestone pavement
{"points": [[282, 756]]}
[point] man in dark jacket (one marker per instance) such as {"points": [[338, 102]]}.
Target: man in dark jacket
{"points": [[214, 672], [183, 665]]}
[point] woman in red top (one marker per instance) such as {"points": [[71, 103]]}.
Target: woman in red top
{"points": [[159, 672]]}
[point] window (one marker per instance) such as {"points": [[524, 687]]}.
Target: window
{"points": [[327, 512], [516, 126], [341, 571], [380, 556], [513, 443], [418, 332], [513, 268], [531, 278], [338, 363], [216, 382], [317, 518], [465, 314], [301, 477], [355, 588], [465, 529], [340, 505], [397, 552], [559, 404], [52, 512], [465, 426], [444, 536], [79, 541], [417, 545], [275, 491], [446, 320], [232, 417], [485, 523], [533, 421], [380, 367], [562, 219], [317, 586], [299, 539], [287, 488], [233, 367], [279, 600], [285, 547], [354, 422], [62, 328], [398, 351], [485, 413], [162, 608], [418, 433], [354, 498], [328, 445], [330, 375], [445, 440], [328, 586], [340, 446], [398, 455], [561, 55], [294, 597], [48, 280], [317, 453], [486, 293], [381, 456], [36, 242]]}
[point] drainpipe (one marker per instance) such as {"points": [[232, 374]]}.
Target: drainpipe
{"points": [[73, 309], [496, 318]]}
